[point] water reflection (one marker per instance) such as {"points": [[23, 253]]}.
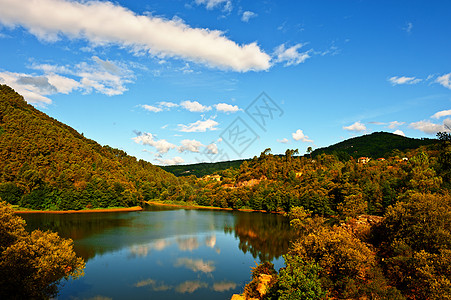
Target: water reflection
{"points": [[170, 254]]}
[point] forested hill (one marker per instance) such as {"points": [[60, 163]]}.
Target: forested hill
{"points": [[45, 164], [202, 169], [375, 145]]}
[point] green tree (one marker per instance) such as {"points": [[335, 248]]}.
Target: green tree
{"points": [[32, 264]]}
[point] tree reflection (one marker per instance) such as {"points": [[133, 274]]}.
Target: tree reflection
{"points": [[265, 236]]}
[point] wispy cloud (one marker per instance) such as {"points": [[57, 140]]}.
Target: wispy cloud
{"points": [[283, 141], [225, 5], [106, 23], [408, 28], [441, 114], [199, 126], [356, 127], [445, 80], [396, 80], [190, 286], [151, 108], [247, 15], [290, 56], [394, 124], [170, 161]]}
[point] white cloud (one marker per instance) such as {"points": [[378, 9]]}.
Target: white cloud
{"points": [[394, 124], [151, 108], [283, 141], [211, 4], [103, 23], [212, 149], [445, 80], [167, 104], [290, 56], [431, 128], [395, 80], [299, 135], [171, 161], [194, 106], [357, 127], [408, 27], [247, 15], [442, 113], [190, 145], [146, 138], [399, 132], [199, 126], [224, 107]]}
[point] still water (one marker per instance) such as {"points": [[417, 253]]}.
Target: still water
{"points": [[167, 253]]}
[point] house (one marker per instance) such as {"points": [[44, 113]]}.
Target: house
{"points": [[213, 177], [363, 160], [381, 159]]}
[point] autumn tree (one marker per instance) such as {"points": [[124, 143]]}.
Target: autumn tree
{"points": [[32, 264]]}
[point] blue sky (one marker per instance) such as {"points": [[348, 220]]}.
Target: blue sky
{"points": [[205, 80]]}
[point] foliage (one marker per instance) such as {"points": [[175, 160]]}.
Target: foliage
{"points": [[415, 242], [45, 164], [202, 169], [32, 264], [376, 144]]}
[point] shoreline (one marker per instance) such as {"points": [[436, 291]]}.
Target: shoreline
{"points": [[208, 207], [98, 210]]}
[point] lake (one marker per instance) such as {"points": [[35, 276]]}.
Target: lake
{"points": [[161, 253]]}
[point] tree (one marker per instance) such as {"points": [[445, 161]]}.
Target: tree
{"points": [[309, 151], [32, 264]]}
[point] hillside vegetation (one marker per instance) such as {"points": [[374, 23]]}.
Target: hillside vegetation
{"points": [[45, 164], [375, 145]]}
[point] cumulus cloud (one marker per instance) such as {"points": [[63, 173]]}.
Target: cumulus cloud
{"points": [[171, 161], [35, 89], [190, 145], [212, 149], [284, 140], [194, 106], [394, 124], [151, 108], [146, 138], [299, 135], [432, 128], [445, 80], [109, 23], [395, 80], [356, 127], [224, 107], [290, 56], [199, 126], [399, 132], [196, 265], [247, 15], [441, 114]]}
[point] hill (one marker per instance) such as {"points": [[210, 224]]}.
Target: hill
{"points": [[202, 169], [377, 144], [45, 164]]}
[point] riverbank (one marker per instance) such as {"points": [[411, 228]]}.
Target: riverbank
{"points": [[97, 210], [195, 206]]}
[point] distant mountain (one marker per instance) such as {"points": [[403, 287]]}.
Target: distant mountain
{"points": [[375, 145], [202, 169], [45, 164]]}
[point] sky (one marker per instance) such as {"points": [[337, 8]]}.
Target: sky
{"points": [[188, 81]]}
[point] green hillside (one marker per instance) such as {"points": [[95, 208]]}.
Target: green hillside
{"points": [[45, 164], [202, 169], [375, 145]]}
